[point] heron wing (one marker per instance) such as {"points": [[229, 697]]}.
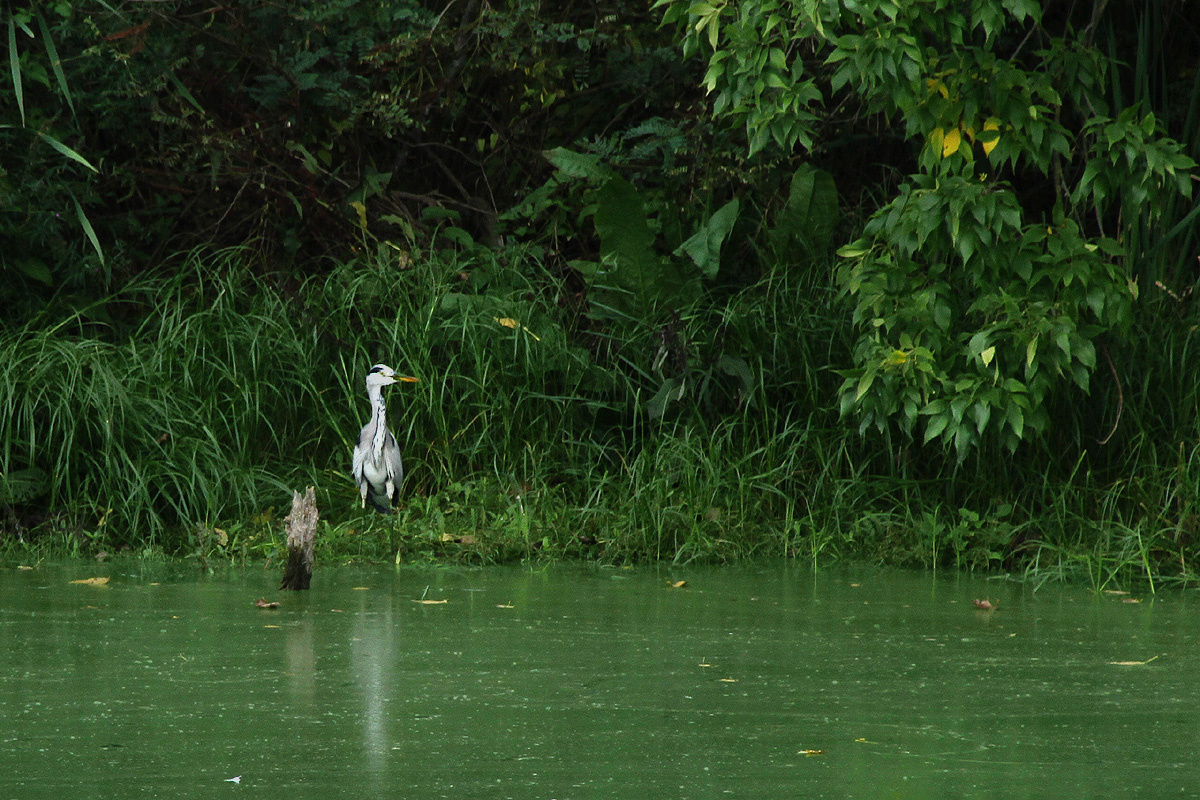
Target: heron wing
{"points": [[393, 463], [362, 451]]}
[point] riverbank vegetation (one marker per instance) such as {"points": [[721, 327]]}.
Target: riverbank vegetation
{"points": [[710, 282]]}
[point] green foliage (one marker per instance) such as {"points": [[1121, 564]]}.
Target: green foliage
{"points": [[973, 312], [301, 127], [35, 233], [625, 313]]}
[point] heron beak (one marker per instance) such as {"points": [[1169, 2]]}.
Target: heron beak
{"points": [[407, 379]]}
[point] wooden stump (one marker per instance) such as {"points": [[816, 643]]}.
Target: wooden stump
{"points": [[301, 526]]}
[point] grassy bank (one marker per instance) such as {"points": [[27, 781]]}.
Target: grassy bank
{"points": [[175, 418]]}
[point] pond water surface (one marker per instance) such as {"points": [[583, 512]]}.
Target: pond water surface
{"points": [[573, 682]]}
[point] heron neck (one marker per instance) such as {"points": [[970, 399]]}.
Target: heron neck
{"points": [[379, 419]]}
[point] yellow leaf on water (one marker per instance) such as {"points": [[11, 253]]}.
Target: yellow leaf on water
{"points": [[729, 680], [810, 753], [360, 588], [505, 605], [23, 567], [677, 584], [91, 581], [431, 602]]}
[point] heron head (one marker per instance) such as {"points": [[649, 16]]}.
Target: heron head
{"points": [[383, 375]]}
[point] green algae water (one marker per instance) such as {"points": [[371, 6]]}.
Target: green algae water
{"points": [[572, 682]]}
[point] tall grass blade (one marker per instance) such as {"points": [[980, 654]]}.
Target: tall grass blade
{"points": [[88, 230], [66, 151], [55, 61], [14, 68]]}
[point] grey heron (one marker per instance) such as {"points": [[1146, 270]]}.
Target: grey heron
{"points": [[377, 467]]}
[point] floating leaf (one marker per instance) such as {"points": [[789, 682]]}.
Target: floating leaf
{"points": [[431, 602], [1132, 663], [262, 602], [729, 680], [984, 604], [677, 584], [91, 581], [810, 753], [505, 605]]}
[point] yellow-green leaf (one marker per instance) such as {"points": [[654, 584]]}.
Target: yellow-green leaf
{"points": [[950, 142], [992, 124]]}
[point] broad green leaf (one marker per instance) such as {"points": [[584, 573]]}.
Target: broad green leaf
{"points": [[982, 412], [935, 426], [577, 165], [963, 438], [36, 268], [738, 368], [811, 215], [704, 246], [1016, 421], [714, 30], [864, 385]]}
